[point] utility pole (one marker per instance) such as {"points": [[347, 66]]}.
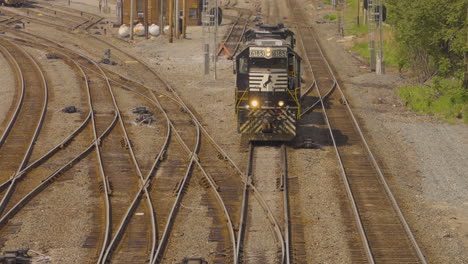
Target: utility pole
{"points": [[358, 10], [146, 19], [375, 22], [380, 67], [132, 7], [184, 18], [177, 16], [171, 20], [215, 37], [161, 14], [210, 26]]}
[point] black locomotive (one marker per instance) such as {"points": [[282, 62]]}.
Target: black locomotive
{"points": [[268, 80]]}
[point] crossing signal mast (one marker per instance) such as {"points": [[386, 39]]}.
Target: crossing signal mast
{"points": [[210, 20], [376, 16]]}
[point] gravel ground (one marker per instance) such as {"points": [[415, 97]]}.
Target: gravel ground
{"points": [[64, 90], [61, 212], [7, 100]]}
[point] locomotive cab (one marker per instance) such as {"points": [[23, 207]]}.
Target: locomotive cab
{"points": [[268, 88]]}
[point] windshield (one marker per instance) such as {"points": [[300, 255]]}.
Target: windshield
{"points": [[275, 63]]}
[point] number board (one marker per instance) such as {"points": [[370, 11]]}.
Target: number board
{"points": [[262, 52]]}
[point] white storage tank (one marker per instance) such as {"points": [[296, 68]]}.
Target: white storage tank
{"points": [[166, 29], [139, 29], [154, 30], [124, 31]]}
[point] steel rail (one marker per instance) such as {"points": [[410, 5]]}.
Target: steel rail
{"points": [[353, 202], [177, 98], [241, 227], [170, 222], [264, 205], [104, 252], [396, 207], [284, 178], [127, 217], [97, 143], [210, 180], [59, 146], [242, 30], [49, 153], [232, 29], [135, 162], [143, 186], [374, 163], [20, 101], [40, 8], [48, 180], [243, 177], [203, 130], [7, 19], [26, 156]]}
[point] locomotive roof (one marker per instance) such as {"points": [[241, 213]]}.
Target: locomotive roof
{"points": [[268, 31]]}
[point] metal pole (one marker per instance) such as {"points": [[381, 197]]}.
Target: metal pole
{"points": [[215, 36], [161, 16], [184, 18], [206, 52], [132, 7], [177, 16], [171, 11], [380, 67], [146, 18], [358, 10]]}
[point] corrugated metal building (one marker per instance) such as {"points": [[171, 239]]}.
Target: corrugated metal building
{"points": [[193, 11]]}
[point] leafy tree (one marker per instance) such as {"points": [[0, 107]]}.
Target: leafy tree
{"points": [[432, 35]]}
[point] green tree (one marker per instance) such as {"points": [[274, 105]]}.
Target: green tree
{"points": [[432, 35]]}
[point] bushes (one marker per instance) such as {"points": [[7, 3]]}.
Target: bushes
{"points": [[431, 34], [330, 17], [444, 97]]}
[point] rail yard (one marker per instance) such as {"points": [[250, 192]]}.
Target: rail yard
{"points": [[123, 151]]}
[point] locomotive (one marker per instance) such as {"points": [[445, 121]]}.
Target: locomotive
{"points": [[268, 80]]}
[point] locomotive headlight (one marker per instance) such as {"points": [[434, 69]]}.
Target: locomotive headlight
{"points": [[268, 52], [280, 103], [254, 103]]}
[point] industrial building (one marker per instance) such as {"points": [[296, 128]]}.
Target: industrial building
{"points": [[158, 11]]}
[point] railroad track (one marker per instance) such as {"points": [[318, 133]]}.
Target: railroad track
{"points": [[178, 109], [222, 199], [264, 236], [103, 117], [231, 43], [384, 235], [49, 15], [26, 121]]}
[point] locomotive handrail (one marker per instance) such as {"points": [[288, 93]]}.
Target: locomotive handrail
{"points": [[240, 99]]}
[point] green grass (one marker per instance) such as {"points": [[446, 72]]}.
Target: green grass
{"points": [[330, 17], [356, 30], [443, 97], [362, 48]]}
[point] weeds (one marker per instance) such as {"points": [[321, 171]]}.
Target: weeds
{"points": [[330, 17], [443, 97]]}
